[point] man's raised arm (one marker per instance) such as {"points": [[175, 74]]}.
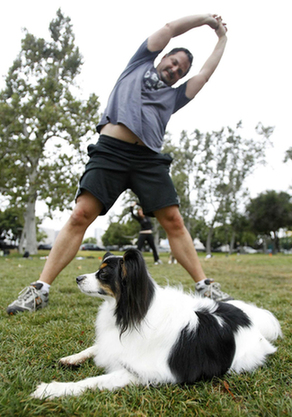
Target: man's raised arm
{"points": [[160, 39], [195, 83]]}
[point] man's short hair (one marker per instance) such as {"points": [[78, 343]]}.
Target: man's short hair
{"points": [[186, 51]]}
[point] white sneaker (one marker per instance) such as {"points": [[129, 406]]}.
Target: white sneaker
{"points": [[29, 299], [211, 289]]}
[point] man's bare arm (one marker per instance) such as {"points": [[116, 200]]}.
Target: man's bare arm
{"points": [[161, 38], [196, 83]]}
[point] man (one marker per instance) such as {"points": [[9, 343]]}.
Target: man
{"points": [[127, 155]]}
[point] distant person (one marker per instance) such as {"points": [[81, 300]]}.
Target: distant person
{"points": [[146, 232], [128, 154]]}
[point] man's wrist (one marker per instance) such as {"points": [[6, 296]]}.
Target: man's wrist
{"points": [[209, 20]]}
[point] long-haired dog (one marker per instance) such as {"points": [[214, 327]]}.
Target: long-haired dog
{"points": [[146, 334]]}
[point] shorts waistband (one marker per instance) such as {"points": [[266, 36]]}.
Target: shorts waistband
{"points": [[118, 143]]}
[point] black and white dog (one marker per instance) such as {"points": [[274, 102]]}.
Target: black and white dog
{"points": [[146, 334]]}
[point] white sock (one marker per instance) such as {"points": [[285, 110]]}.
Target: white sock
{"points": [[200, 283], [45, 287]]}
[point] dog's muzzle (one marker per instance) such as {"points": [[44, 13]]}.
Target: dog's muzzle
{"points": [[80, 279]]}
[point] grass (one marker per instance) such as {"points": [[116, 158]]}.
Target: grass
{"points": [[32, 343]]}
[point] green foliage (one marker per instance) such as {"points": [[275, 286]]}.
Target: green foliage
{"points": [[182, 170], [223, 160], [90, 240], [43, 126], [286, 242], [269, 212], [209, 171], [31, 345], [11, 223], [223, 234], [288, 155], [120, 233], [41, 235]]}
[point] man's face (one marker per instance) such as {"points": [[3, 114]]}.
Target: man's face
{"points": [[173, 67]]}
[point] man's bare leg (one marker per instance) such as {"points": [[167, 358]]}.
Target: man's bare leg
{"points": [[184, 251], [36, 295], [182, 246], [70, 237]]}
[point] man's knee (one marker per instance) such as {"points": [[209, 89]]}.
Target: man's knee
{"points": [[79, 217], [170, 219], [86, 210]]}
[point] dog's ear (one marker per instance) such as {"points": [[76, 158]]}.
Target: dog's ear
{"points": [[134, 263], [106, 255], [136, 291]]}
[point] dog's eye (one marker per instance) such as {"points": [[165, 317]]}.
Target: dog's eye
{"points": [[102, 274]]}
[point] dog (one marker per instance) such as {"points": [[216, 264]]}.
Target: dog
{"points": [[146, 334]]}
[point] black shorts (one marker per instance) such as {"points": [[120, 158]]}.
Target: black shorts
{"points": [[115, 166]]}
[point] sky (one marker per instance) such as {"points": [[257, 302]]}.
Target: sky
{"points": [[252, 83]]}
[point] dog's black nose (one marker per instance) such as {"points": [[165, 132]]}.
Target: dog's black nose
{"points": [[80, 278]]}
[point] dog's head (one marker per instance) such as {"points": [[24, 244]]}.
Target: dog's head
{"points": [[105, 281], [126, 280]]}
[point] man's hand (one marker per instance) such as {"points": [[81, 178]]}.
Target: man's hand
{"points": [[221, 28], [212, 21], [215, 22]]}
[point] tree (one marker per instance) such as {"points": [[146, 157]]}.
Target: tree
{"points": [[11, 223], [182, 171], [222, 161], [241, 233], [116, 234], [286, 242], [209, 171], [288, 155], [43, 127], [90, 240], [270, 212]]}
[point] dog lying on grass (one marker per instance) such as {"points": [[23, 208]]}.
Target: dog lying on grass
{"points": [[146, 334]]}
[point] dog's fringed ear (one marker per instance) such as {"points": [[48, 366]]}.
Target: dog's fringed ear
{"points": [[136, 292], [106, 255]]}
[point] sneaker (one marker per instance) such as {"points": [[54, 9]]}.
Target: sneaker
{"points": [[159, 262], [29, 299], [212, 290]]}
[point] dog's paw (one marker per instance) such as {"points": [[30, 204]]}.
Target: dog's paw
{"points": [[44, 390], [55, 389], [73, 360]]}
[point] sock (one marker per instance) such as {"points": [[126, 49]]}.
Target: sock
{"points": [[45, 287], [200, 283]]}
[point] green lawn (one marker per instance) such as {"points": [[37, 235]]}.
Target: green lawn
{"points": [[32, 343]]}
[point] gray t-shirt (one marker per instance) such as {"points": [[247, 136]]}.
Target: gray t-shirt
{"points": [[142, 102]]}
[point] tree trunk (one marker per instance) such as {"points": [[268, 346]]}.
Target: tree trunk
{"points": [[209, 239], [21, 246], [28, 239], [232, 240], [276, 239], [264, 244]]}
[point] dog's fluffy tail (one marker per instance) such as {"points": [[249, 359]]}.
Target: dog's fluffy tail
{"points": [[253, 345], [263, 320]]}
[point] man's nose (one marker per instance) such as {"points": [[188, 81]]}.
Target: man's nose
{"points": [[175, 69]]}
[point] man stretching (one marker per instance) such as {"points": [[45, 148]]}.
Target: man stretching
{"points": [[127, 155]]}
